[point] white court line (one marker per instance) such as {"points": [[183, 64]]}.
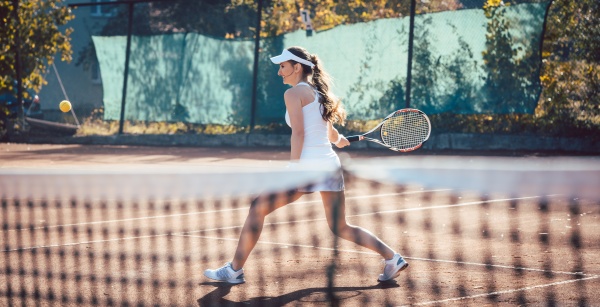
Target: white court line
{"points": [[83, 242], [489, 201], [212, 211], [411, 258], [386, 211], [461, 298], [499, 266], [299, 221]]}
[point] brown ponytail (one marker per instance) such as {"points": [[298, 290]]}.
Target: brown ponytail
{"points": [[333, 110]]}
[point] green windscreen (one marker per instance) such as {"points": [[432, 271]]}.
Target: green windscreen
{"points": [[463, 62]]}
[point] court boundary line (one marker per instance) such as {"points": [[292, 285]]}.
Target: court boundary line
{"points": [[84, 242], [461, 298], [500, 266], [384, 211]]}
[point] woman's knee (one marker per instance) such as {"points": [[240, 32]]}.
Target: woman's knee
{"points": [[339, 227], [261, 207], [257, 209]]}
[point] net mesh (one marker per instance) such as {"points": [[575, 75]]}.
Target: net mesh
{"points": [[474, 230]]}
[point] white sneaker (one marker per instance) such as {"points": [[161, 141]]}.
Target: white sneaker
{"points": [[392, 268], [227, 274]]}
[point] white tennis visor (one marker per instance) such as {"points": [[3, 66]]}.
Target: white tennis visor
{"points": [[286, 56]]}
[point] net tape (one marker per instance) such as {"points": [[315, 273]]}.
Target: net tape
{"points": [[516, 176], [578, 177]]}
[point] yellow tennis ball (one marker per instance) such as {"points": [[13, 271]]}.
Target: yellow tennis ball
{"points": [[65, 106]]}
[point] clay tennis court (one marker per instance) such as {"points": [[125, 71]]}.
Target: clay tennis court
{"points": [[463, 249]]}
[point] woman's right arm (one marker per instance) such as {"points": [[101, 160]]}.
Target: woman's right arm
{"points": [[334, 136]]}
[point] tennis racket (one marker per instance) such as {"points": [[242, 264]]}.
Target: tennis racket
{"points": [[404, 130]]}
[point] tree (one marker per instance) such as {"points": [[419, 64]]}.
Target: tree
{"points": [[573, 31], [40, 40], [284, 16], [31, 31], [570, 74]]}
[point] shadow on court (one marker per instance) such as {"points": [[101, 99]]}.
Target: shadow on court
{"points": [[307, 296]]}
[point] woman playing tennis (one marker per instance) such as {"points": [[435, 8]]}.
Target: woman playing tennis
{"points": [[311, 111]]}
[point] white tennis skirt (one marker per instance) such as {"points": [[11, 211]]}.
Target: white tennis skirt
{"points": [[323, 155]]}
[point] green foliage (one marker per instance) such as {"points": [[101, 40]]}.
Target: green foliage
{"points": [[571, 67], [281, 17], [40, 40], [571, 96], [4, 122], [573, 31]]}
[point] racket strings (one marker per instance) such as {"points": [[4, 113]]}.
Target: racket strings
{"points": [[405, 130]]}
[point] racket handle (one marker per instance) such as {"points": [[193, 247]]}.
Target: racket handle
{"points": [[354, 138]]}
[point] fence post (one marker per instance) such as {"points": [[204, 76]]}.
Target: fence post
{"points": [[411, 37], [126, 73], [255, 71]]}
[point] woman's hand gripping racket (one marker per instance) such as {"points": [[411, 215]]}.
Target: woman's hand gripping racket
{"points": [[403, 130]]}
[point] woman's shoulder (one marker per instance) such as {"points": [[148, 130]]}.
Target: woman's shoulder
{"points": [[294, 89], [292, 92]]}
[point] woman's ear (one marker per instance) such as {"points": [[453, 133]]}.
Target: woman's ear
{"points": [[297, 67]]}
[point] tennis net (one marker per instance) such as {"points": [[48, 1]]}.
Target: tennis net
{"points": [[474, 230]]}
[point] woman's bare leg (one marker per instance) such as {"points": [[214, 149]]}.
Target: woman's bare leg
{"points": [[259, 209], [337, 224]]}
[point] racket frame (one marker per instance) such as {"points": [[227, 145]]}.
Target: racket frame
{"points": [[356, 138]]}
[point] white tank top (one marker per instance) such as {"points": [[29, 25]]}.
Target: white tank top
{"points": [[315, 127]]}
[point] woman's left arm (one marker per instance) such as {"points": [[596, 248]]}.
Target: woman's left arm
{"points": [[293, 105]]}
